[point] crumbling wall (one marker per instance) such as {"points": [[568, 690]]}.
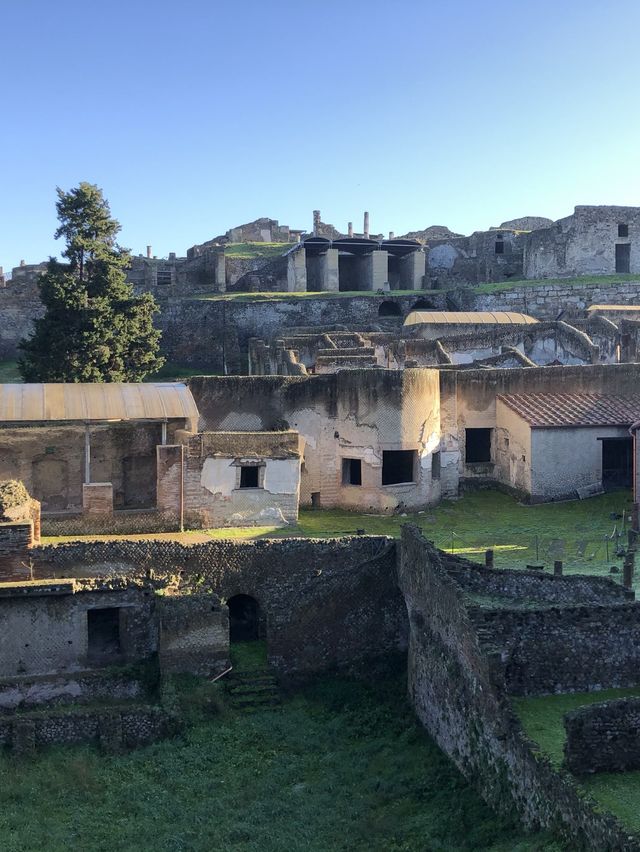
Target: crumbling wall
{"points": [[454, 685], [325, 604], [603, 737]]}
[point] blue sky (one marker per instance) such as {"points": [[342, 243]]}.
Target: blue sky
{"points": [[197, 116]]}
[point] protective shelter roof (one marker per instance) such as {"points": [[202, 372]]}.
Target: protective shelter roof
{"points": [[468, 318], [96, 402], [594, 308], [561, 410]]}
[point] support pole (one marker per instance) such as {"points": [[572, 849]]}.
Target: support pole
{"points": [[87, 454]]}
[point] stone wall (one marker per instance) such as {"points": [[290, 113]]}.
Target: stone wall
{"points": [[564, 648], [355, 414], [584, 243], [603, 737], [44, 626], [455, 687], [326, 604], [113, 729], [194, 635], [83, 688]]}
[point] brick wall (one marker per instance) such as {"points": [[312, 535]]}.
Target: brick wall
{"points": [[603, 737]]}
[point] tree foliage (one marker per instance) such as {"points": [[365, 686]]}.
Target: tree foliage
{"points": [[94, 328]]}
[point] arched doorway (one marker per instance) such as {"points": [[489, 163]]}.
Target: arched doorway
{"points": [[423, 305], [389, 309], [243, 618]]}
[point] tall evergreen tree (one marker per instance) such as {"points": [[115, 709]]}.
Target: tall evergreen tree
{"points": [[94, 328]]}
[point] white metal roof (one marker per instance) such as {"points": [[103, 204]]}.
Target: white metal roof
{"points": [[468, 318], [93, 402]]}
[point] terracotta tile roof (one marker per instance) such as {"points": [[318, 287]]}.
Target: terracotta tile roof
{"points": [[556, 410]]}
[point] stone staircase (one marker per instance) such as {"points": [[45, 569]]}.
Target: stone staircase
{"points": [[252, 689]]}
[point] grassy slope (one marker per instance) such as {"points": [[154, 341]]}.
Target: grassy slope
{"points": [[339, 767], [247, 251], [542, 720]]}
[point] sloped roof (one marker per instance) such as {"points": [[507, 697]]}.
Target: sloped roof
{"points": [[469, 317], [91, 402], [563, 410], [594, 308]]}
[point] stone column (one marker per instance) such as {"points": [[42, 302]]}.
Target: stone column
{"points": [[221, 273], [330, 275], [350, 229], [297, 271], [316, 223], [376, 271], [413, 270], [366, 226]]}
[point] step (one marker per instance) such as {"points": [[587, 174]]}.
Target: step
{"points": [[251, 689]]}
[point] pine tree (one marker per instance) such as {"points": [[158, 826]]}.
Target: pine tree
{"points": [[94, 328]]}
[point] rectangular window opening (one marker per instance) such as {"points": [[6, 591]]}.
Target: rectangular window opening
{"points": [[435, 465], [499, 247], [623, 229], [351, 472], [398, 466], [477, 446], [249, 476]]}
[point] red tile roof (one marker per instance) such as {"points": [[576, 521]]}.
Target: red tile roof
{"points": [[558, 410]]}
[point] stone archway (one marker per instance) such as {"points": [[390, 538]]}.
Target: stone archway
{"points": [[389, 309]]}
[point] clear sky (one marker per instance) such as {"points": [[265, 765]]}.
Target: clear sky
{"points": [[200, 115]]}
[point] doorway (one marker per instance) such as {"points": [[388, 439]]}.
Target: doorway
{"points": [[244, 618], [103, 635], [623, 257], [617, 463]]}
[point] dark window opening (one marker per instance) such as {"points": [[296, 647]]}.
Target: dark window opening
{"points": [[243, 618], [623, 230], [249, 476], [477, 446], [423, 305], [389, 309], [623, 257], [499, 247], [351, 472], [435, 465], [617, 463], [315, 500], [163, 277], [398, 466], [103, 630]]}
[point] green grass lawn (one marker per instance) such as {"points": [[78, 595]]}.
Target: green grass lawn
{"points": [[9, 372], [573, 531], [542, 720], [339, 766], [520, 535], [279, 295], [481, 289], [247, 251]]}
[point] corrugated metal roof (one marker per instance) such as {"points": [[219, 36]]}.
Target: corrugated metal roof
{"points": [[594, 308], [87, 402], [559, 410], [469, 317]]}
